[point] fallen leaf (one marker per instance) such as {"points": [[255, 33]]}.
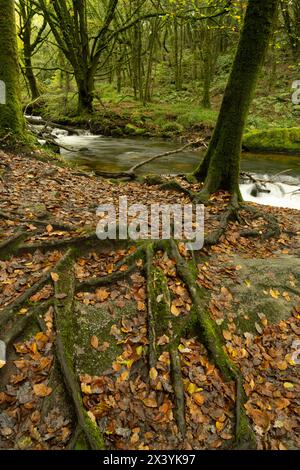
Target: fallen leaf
{"points": [[41, 390], [94, 342], [54, 277]]}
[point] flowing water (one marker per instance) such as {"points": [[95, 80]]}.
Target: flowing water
{"points": [[119, 154]]}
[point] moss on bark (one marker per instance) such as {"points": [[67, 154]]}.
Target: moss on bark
{"points": [[221, 165], [11, 117]]}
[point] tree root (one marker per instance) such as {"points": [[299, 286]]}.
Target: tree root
{"points": [[21, 323], [273, 227], [64, 318], [7, 312], [160, 319], [178, 390], [10, 245], [209, 332], [117, 275]]}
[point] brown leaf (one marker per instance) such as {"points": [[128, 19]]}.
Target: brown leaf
{"points": [[199, 398], [102, 294], [54, 277], [94, 341], [41, 390], [150, 402]]}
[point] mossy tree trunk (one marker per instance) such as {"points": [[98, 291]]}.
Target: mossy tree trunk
{"points": [[221, 165], [69, 25], [11, 116], [27, 13]]}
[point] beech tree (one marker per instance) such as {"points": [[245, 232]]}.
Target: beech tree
{"points": [[11, 116], [221, 165]]}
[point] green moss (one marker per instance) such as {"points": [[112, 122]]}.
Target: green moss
{"points": [[285, 140], [98, 321], [11, 116], [133, 130]]}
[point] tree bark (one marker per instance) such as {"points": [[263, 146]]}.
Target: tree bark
{"points": [[221, 165], [11, 116]]}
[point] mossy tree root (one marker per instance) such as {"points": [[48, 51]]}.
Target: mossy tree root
{"points": [[117, 275], [151, 321], [64, 322], [210, 334], [7, 312], [272, 229], [22, 322], [178, 389]]}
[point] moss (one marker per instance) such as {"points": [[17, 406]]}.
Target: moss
{"points": [[286, 140], [161, 313], [81, 443], [11, 116], [172, 128], [98, 321], [133, 130]]}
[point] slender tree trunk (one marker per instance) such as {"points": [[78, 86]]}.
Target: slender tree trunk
{"points": [[34, 90], [221, 165], [11, 116]]}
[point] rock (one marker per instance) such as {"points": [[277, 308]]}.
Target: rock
{"points": [[269, 287]]}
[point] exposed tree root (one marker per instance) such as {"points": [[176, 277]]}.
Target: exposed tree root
{"points": [[7, 312], [211, 335], [64, 318], [20, 323], [272, 230], [178, 390], [160, 320], [10, 244]]}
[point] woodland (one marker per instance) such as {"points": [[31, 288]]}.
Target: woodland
{"points": [[143, 344]]}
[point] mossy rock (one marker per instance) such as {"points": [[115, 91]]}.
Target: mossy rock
{"points": [[133, 130], [172, 128], [260, 289], [284, 140], [98, 321]]}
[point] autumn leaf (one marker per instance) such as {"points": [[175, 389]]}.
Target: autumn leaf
{"points": [[274, 293], [41, 390], [54, 277], [104, 347], [162, 340], [141, 306], [94, 342], [175, 310], [150, 402], [153, 373], [282, 365], [198, 398], [102, 294], [227, 335]]}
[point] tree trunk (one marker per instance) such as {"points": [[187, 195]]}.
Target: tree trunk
{"points": [[11, 116], [34, 91], [85, 94], [221, 165]]}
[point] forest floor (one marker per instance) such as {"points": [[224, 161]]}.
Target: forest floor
{"points": [[76, 316]]}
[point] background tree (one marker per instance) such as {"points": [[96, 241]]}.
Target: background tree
{"points": [[221, 165], [11, 117], [32, 36]]}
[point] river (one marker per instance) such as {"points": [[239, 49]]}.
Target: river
{"points": [[118, 154]]}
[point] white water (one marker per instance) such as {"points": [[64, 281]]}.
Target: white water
{"points": [[281, 195]]}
